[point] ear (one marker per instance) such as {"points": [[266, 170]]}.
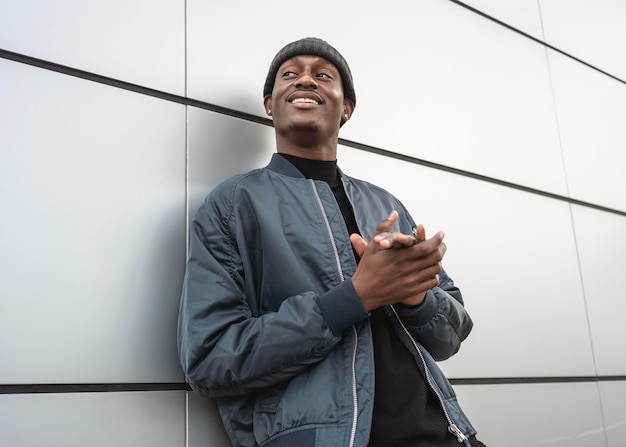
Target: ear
{"points": [[267, 103], [348, 109]]}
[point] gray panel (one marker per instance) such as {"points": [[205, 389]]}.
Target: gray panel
{"points": [[592, 111], [221, 146], [204, 423], [155, 419], [92, 190], [512, 254], [601, 241], [613, 397], [140, 41], [549, 414]]}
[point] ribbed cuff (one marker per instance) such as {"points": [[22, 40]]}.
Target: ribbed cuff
{"points": [[341, 307], [422, 313]]}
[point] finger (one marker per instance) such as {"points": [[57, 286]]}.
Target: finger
{"points": [[386, 225], [432, 250], [429, 284], [395, 240], [420, 233], [406, 240], [358, 243], [436, 240]]}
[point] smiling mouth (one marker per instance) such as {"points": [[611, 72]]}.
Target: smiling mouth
{"points": [[304, 100]]}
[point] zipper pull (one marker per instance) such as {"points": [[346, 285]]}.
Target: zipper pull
{"points": [[458, 433]]}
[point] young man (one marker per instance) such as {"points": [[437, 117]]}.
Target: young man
{"points": [[304, 333]]}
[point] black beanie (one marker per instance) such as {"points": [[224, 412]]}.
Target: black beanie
{"points": [[314, 47]]}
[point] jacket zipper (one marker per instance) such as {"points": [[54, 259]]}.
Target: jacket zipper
{"points": [[452, 427], [329, 230], [355, 401]]}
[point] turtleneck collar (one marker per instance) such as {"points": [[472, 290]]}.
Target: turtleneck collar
{"points": [[325, 170]]}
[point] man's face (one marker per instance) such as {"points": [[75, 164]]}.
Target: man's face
{"points": [[308, 95]]}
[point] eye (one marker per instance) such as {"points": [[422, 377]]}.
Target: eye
{"points": [[289, 74], [323, 74]]}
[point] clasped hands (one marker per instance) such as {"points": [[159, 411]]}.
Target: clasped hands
{"points": [[396, 267]]}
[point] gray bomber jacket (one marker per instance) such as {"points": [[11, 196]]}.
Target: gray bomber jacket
{"points": [[271, 326]]}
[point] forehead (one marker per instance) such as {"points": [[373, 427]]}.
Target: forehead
{"points": [[309, 59]]}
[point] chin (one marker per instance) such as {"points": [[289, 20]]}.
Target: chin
{"points": [[304, 126]]}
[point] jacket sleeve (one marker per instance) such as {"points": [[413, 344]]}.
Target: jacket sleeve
{"points": [[440, 323], [224, 348]]}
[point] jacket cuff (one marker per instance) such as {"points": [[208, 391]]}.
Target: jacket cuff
{"points": [[341, 307], [422, 313]]}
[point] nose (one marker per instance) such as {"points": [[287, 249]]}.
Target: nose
{"points": [[306, 80]]}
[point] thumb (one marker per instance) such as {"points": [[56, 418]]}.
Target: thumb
{"points": [[358, 243]]}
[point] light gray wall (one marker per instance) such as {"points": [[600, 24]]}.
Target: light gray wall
{"points": [[504, 126]]}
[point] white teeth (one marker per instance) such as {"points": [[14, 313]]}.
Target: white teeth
{"points": [[309, 100]]}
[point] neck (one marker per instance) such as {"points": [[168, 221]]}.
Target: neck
{"points": [[307, 146]]}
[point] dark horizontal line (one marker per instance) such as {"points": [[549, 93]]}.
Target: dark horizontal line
{"points": [[82, 74], [68, 388], [90, 387], [535, 380], [29, 60], [461, 172]]}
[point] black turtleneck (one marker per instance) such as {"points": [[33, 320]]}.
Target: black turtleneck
{"points": [[406, 411]]}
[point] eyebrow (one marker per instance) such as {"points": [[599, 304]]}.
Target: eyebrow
{"points": [[322, 59]]}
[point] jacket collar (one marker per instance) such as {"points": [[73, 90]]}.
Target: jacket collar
{"points": [[282, 166]]}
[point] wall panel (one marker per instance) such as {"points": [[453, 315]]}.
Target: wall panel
{"points": [[92, 189], [142, 41], [523, 415], [613, 395], [154, 419], [601, 241], [204, 423], [222, 146], [591, 111]]}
